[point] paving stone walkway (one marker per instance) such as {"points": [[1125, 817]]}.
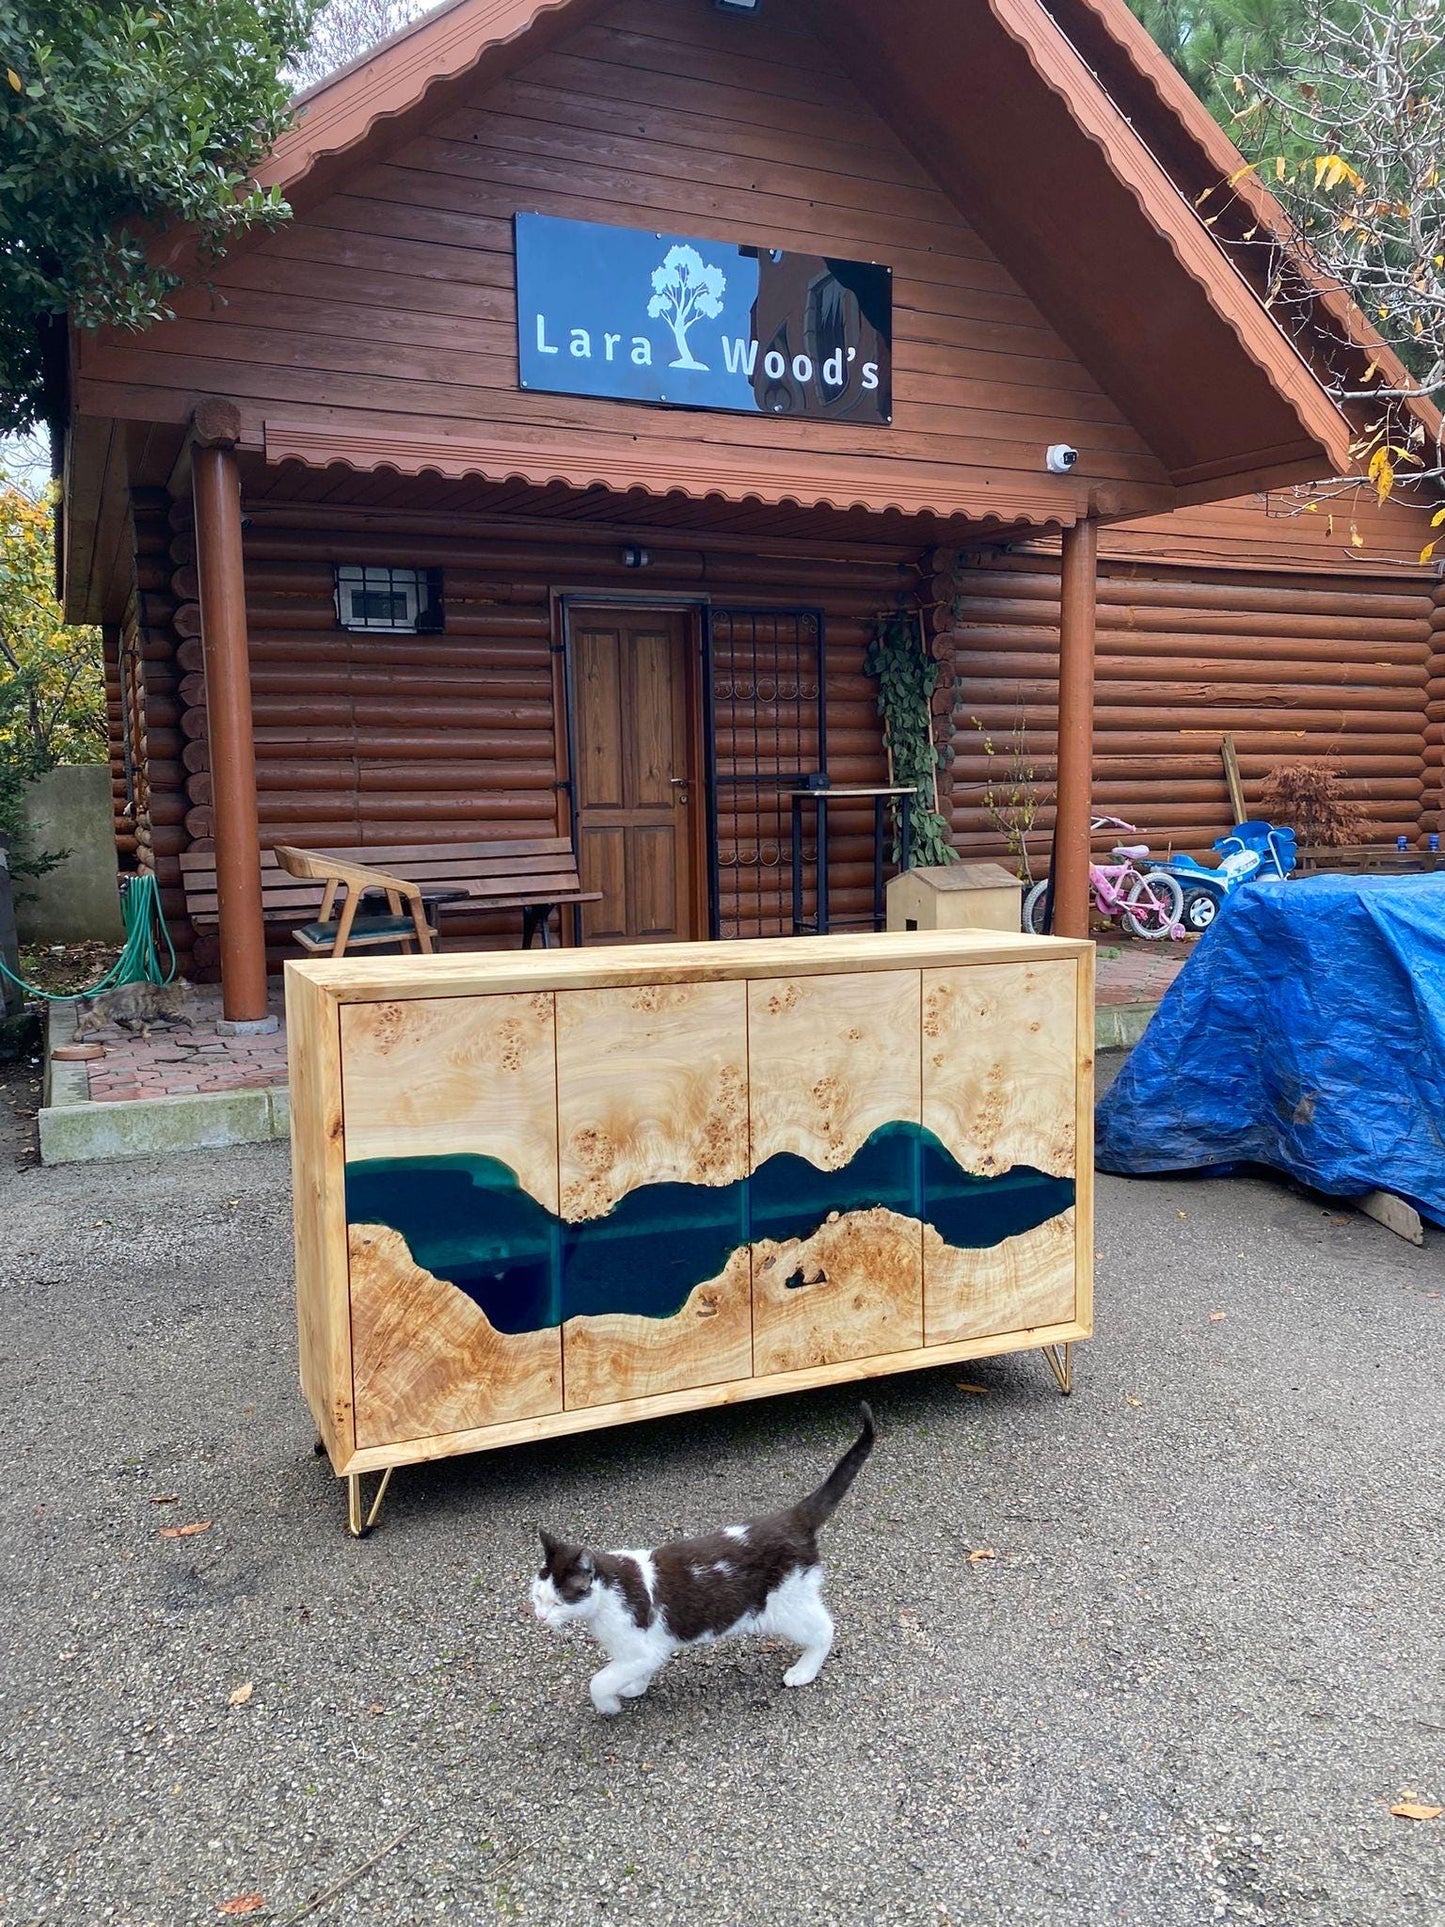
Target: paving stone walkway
{"points": [[187, 1059], [1136, 972]]}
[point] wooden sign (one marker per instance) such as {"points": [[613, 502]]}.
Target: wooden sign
{"points": [[541, 1192], [689, 323]]}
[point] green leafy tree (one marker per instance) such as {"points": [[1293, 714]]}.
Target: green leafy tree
{"points": [[1211, 42], [117, 122], [52, 681], [1340, 107]]}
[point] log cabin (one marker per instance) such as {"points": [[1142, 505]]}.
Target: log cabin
{"points": [[624, 360]]}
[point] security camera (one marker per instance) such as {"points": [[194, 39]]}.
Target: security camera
{"points": [[1059, 458]]}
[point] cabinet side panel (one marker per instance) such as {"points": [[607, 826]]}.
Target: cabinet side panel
{"points": [[1084, 1132], [318, 1187]]}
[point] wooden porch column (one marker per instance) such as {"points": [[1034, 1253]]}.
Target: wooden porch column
{"points": [[1078, 590], [216, 491]]}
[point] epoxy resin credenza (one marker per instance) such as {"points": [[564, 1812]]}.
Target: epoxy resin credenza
{"points": [[538, 1193]]}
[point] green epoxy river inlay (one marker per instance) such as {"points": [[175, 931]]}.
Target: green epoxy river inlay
{"points": [[466, 1219]]}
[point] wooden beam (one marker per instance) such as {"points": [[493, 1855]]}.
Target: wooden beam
{"points": [[1077, 616], [1230, 758], [1394, 1214], [216, 486]]}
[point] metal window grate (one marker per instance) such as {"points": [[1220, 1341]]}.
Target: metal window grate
{"points": [[766, 729], [395, 600]]}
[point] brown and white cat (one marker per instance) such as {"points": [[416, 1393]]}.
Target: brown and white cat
{"points": [[642, 1607]]}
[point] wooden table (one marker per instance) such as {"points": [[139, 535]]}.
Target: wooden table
{"points": [[820, 924], [540, 1193]]}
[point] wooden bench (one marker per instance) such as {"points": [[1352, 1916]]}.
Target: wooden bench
{"points": [[1368, 859], [534, 875]]}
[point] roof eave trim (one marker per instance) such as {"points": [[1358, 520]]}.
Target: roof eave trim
{"points": [[700, 473], [1178, 99], [1063, 70], [339, 112]]}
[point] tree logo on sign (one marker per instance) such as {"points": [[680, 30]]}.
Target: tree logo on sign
{"points": [[685, 290]]}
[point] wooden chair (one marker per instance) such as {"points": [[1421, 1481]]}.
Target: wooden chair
{"points": [[332, 935]]}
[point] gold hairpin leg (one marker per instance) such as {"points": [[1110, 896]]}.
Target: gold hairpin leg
{"points": [[356, 1524], [1061, 1364]]}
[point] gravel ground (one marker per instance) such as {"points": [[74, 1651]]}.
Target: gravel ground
{"points": [[1202, 1663]]}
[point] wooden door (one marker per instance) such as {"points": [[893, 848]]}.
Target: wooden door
{"points": [[638, 800]]}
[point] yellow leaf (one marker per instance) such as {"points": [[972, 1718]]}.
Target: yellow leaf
{"points": [[1357, 541], [1412, 1810], [1371, 372], [242, 1694], [14, 79], [1240, 172], [1280, 170], [1437, 518], [1426, 553]]}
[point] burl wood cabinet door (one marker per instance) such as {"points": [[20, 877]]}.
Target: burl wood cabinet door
{"points": [[652, 1130], [999, 1089], [449, 1108], [835, 1108]]}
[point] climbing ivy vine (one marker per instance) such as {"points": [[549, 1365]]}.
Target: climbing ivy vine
{"points": [[907, 676]]}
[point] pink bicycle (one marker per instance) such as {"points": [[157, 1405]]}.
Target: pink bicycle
{"points": [[1147, 900]]}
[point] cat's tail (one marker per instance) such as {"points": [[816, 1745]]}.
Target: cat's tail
{"points": [[818, 1508]]}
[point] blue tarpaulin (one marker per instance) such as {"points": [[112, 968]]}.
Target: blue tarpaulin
{"points": [[1306, 1033]]}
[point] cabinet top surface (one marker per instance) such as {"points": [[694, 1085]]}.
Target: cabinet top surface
{"points": [[479, 972]]}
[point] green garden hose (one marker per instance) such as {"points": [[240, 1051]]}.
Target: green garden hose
{"points": [[139, 961]]}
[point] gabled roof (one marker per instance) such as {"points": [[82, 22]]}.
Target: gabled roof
{"points": [[383, 89], [1017, 124], [1057, 132]]}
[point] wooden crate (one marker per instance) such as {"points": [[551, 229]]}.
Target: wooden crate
{"points": [[541, 1193]]}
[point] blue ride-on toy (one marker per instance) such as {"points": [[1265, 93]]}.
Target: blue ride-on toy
{"points": [[1250, 850]]}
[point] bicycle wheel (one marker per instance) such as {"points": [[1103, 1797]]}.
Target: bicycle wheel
{"points": [[1034, 909], [1154, 905]]}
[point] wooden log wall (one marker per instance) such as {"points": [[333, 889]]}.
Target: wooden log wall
{"points": [[1433, 817], [1297, 667], [145, 762], [375, 738], [118, 746]]}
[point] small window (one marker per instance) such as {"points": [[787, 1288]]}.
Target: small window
{"points": [[405, 601]]}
